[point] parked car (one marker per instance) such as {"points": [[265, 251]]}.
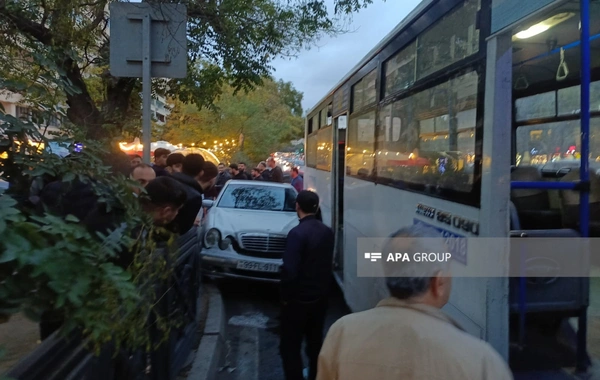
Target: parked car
{"points": [[245, 230]]}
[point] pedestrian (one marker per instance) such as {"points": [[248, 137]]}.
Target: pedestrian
{"points": [[297, 180], [407, 336], [275, 171], [135, 160], [305, 286], [256, 174], [237, 173], [143, 174], [191, 172], [174, 163], [207, 182], [242, 167], [222, 179], [160, 161]]}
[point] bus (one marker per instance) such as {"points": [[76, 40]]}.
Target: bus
{"points": [[483, 112]]}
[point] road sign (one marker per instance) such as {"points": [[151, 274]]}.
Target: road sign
{"points": [[168, 43], [148, 40]]}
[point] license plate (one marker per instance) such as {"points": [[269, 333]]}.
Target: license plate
{"points": [[260, 267]]}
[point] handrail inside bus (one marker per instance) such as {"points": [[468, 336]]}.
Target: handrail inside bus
{"points": [[577, 185], [583, 185], [557, 50]]}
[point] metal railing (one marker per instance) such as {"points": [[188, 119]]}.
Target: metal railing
{"points": [[583, 186], [66, 357]]}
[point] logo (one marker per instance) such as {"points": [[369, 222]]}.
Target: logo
{"points": [[373, 256]]}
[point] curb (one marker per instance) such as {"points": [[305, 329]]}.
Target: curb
{"points": [[212, 344]]}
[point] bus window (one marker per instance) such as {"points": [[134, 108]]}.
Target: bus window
{"points": [[536, 106], [436, 142], [400, 70], [541, 144], [453, 38], [311, 150], [569, 99], [324, 151], [360, 152]]}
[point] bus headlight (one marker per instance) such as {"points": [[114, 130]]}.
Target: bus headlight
{"points": [[212, 238]]}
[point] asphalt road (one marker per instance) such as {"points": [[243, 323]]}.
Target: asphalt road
{"points": [[252, 329], [253, 342]]}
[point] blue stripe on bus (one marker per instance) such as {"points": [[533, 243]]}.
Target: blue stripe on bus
{"points": [[457, 244]]}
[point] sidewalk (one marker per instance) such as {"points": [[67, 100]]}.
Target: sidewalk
{"points": [[205, 360], [18, 338]]}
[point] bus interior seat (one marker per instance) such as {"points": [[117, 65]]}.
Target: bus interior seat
{"points": [[570, 203], [558, 296], [533, 205]]}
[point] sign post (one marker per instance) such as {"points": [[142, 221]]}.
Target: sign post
{"points": [[154, 47], [146, 88]]}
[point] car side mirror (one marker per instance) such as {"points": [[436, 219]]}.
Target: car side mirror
{"points": [[208, 203]]}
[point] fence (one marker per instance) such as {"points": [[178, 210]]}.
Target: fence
{"points": [[66, 358]]}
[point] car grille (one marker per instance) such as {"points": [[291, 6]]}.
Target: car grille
{"points": [[263, 243]]}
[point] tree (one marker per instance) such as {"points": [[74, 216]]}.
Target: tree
{"points": [[58, 47], [291, 97], [258, 122]]}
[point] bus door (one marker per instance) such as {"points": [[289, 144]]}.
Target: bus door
{"points": [[553, 180], [338, 173]]}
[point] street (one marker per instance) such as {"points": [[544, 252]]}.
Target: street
{"points": [[252, 329], [252, 338]]}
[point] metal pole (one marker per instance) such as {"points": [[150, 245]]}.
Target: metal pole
{"points": [[584, 196], [146, 86]]}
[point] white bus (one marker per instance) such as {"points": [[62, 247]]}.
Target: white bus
{"points": [[460, 99]]}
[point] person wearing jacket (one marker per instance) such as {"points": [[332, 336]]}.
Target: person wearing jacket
{"points": [[276, 174], [305, 286], [160, 162], [297, 180], [408, 336], [191, 173]]}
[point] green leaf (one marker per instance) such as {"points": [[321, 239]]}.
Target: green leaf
{"points": [[71, 218], [68, 177], [8, 255]]}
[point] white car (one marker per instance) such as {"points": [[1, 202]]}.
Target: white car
{"points": [[245, 230]]}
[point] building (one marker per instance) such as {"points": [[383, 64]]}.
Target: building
{"points": [[14, 105]]}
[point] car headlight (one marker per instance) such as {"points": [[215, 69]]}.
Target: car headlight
{"points": [[225, 243], [212, 238]]}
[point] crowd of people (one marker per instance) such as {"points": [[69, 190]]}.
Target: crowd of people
{"points": [[406, 336]]}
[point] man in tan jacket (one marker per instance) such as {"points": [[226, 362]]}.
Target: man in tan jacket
{"points": [[407, 336]]}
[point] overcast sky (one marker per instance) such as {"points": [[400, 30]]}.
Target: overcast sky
{"points": [[317, 70]]}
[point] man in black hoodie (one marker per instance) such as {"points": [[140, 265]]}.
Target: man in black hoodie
{"points": [[191, 173]]}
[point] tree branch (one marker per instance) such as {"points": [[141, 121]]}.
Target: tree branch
{"points": [[26, 26]]}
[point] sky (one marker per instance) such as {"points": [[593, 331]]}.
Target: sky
{"points": [[314, 72]]}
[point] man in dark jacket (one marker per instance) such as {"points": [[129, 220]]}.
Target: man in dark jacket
{"points": [[305, 287], [160, 161], [276, 172], [191, 172], [237, 173], [242, 167], [221, 180]]}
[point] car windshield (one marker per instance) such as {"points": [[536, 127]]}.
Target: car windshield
{"points": [[256, 197]]}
